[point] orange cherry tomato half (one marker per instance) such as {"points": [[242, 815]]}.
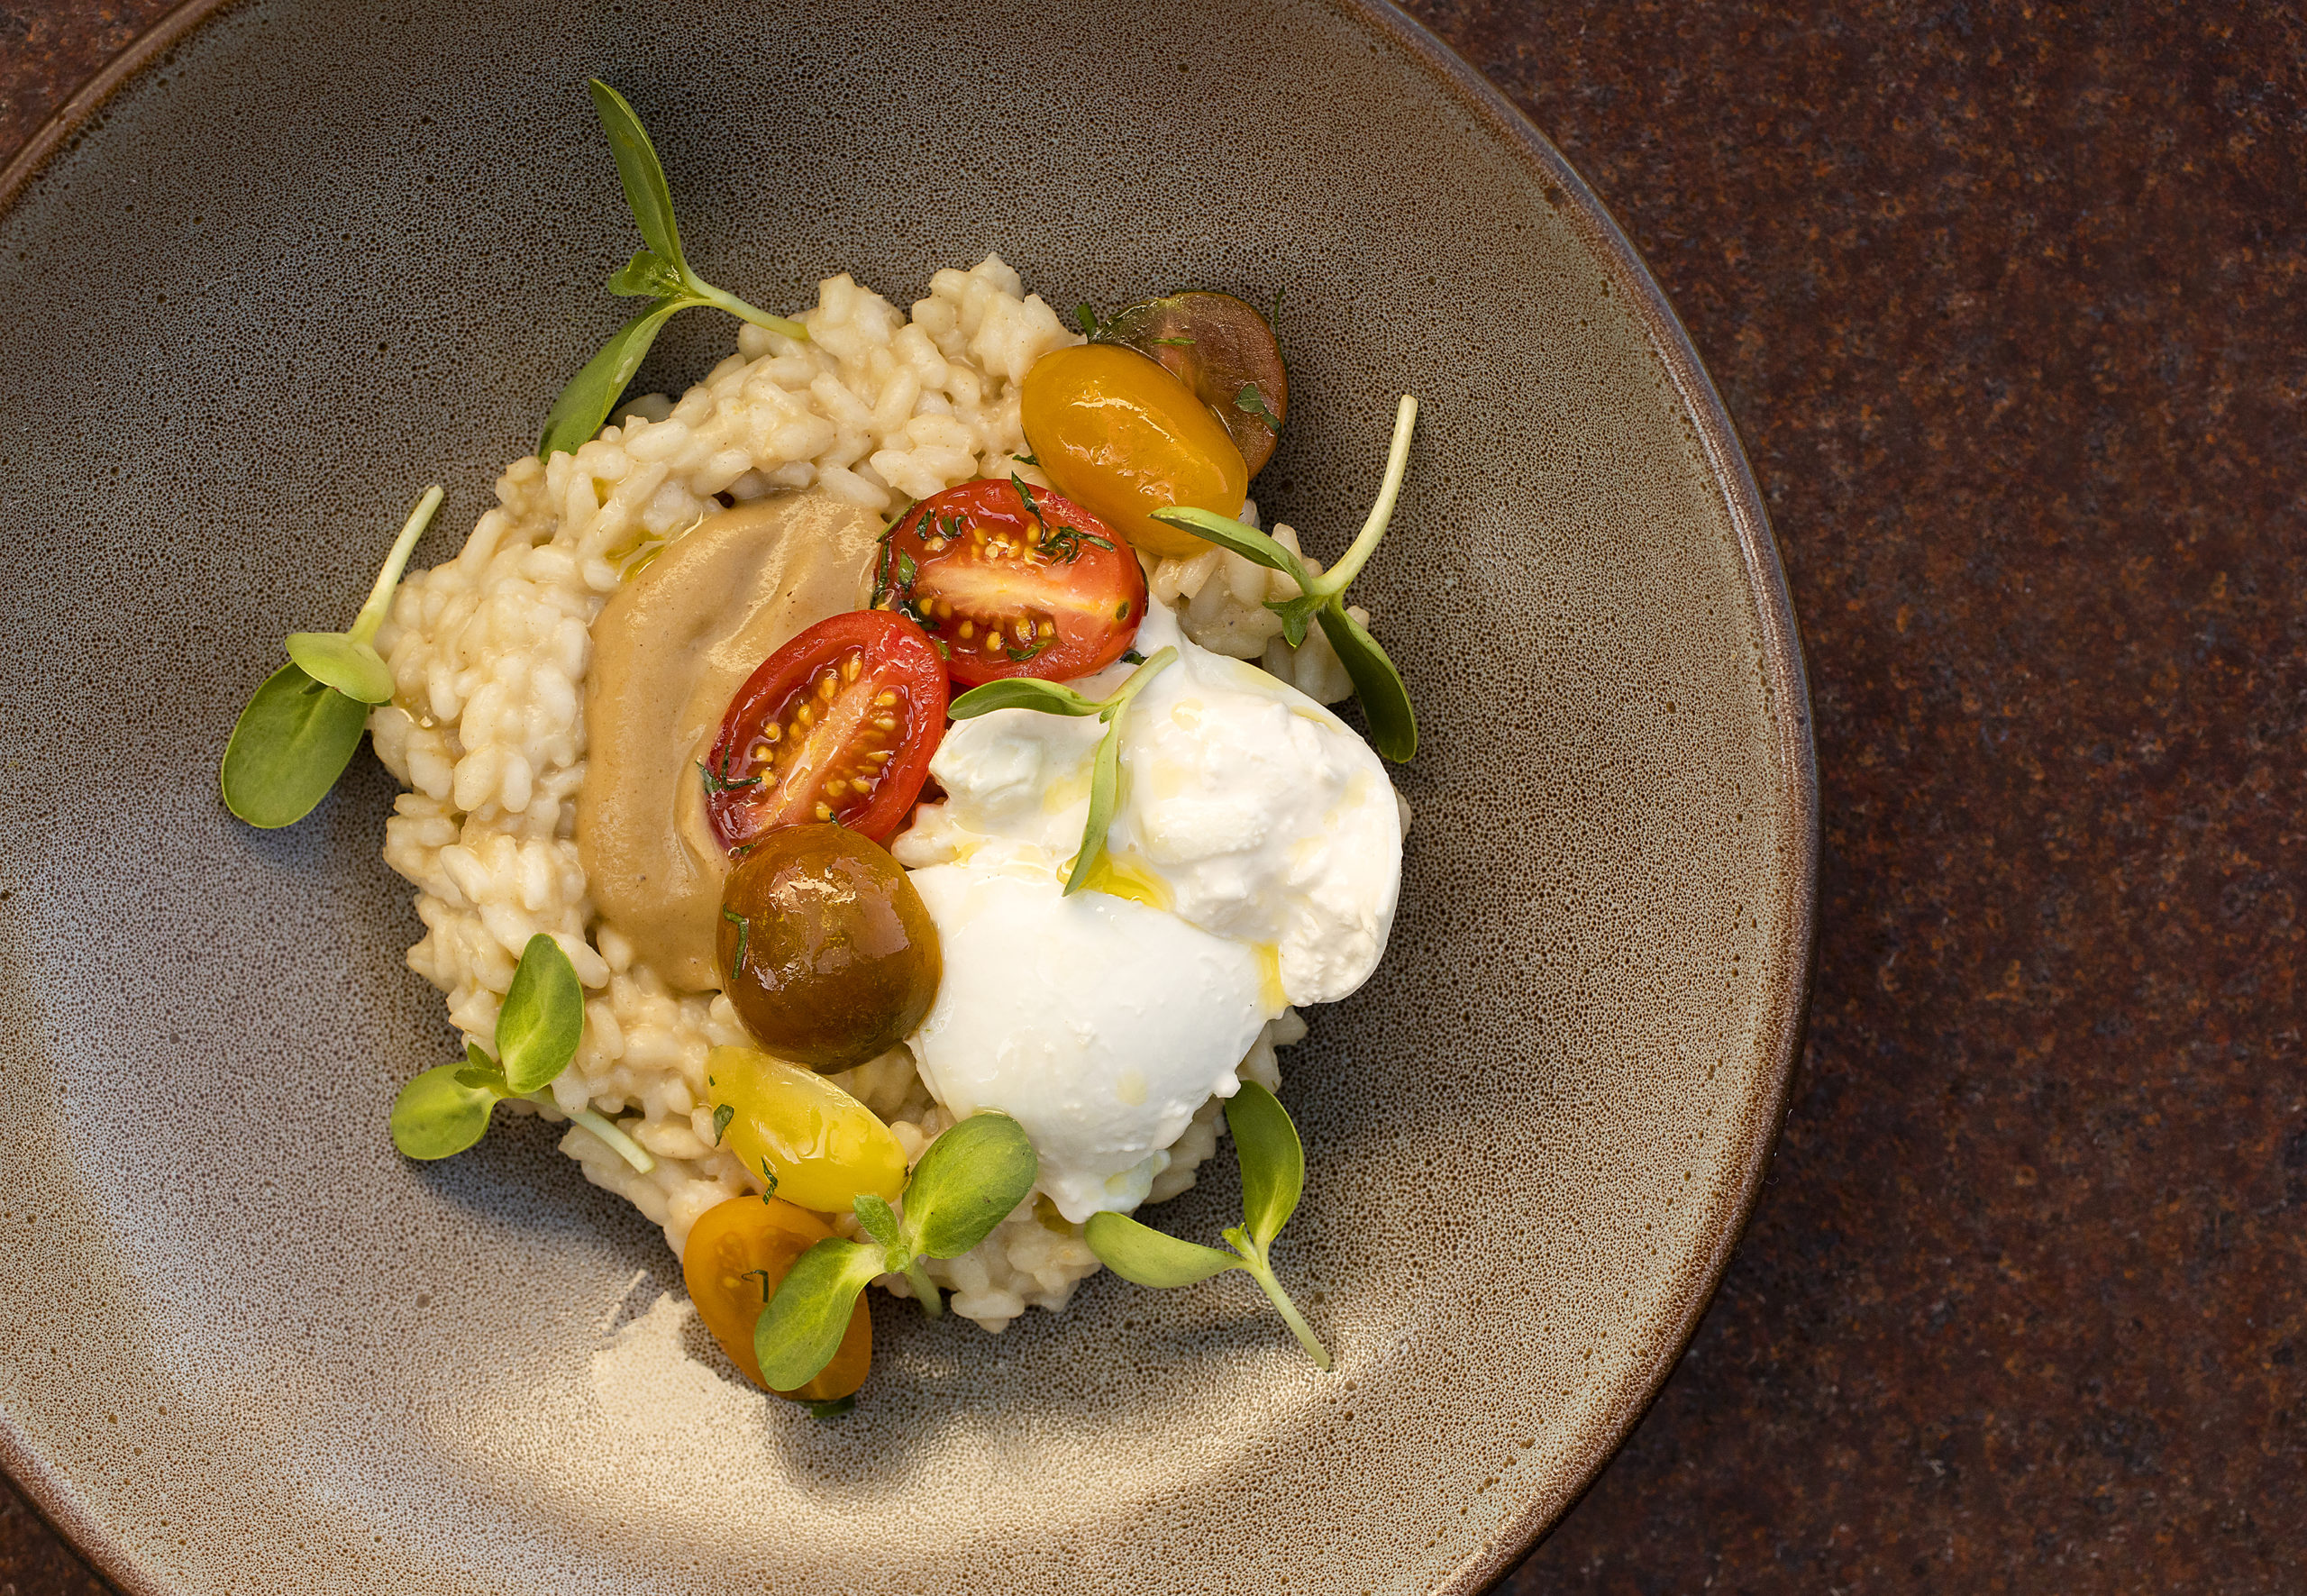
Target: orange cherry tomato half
{"points": [[838, 724], [737, 1253], [1015, 581], [1118, 434]]}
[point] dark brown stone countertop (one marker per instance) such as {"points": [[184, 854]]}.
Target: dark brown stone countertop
{"points": [[2010, 303]]}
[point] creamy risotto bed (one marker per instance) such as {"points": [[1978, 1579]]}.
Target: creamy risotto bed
{"points": [[489, 654]]}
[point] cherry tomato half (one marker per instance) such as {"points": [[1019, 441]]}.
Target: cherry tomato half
{"points": [[1118, 434], [737, 1253], [1222, 349], [1015, 579], [837, 724]]}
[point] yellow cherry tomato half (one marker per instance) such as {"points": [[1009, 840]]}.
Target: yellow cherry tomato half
{"points": [[1121, 437], [824, 1147], [737, 1253]]}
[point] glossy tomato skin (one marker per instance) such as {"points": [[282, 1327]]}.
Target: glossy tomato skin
{"points": [[838, 724], [1116, 432], [737, 1253], [1015, 581], [826, 949], [1221, 349]]}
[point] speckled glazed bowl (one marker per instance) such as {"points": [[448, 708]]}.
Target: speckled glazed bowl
{"points": [[314, 256]]}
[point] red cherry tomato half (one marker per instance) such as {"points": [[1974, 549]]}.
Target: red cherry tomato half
{"points": [[837, 724], [1013, 580]]}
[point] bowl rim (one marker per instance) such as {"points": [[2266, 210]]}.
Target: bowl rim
{"points": [[1782, 664]]}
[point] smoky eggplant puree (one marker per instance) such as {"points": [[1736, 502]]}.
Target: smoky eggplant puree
{"points": [[669, 651]]}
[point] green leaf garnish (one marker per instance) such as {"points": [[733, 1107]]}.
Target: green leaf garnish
{"points": [[1272, 1159], [1377, 681], [444, 1110], [1027, 692], [723, 783], [1105, 779], [1251, 401], [289, 747], [1105, 797], [543, 1017], [834, 1409], [638, 169], [301, 726], [1032, 506], [1274, 1175], [801, 1329], [1141, 1254], [539, 1024], [721, 1118], [1022, 692], [878, 1220], [349, 660], [583, 407], [969, 1180], [660, 272], [335, 660], [648, 276]]}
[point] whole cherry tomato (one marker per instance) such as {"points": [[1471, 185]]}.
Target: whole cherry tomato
{"points": [[1015, 581], [838, 724], [737, 1253], [825, 947], [1116, 432]]}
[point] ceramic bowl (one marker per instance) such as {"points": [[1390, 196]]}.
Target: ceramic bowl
{"points": [[311, 257]]}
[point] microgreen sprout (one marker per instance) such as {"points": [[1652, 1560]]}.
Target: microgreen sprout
{"points": [[300, 727], [1050, 697], [969, 1180], [1064, 545], [446, 1109], [1273, 1176], [658, 273], [1393, 723]]}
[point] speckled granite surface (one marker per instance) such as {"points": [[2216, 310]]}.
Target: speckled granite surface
{"points": [[2009, 304]]}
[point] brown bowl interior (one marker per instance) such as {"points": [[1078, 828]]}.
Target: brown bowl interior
{"points": [[316, 257]]}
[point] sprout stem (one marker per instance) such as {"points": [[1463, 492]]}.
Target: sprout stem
{"points": [[1261, 1272], [1334, 581], [380, 596], [737, 307], [925, 1289], [1137, 679], [616, 1141]]}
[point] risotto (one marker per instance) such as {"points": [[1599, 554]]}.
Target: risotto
{"points": [[882, 802], [489, 654]]}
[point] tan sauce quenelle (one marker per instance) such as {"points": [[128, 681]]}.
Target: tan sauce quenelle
{"points": [[669, 650]]}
